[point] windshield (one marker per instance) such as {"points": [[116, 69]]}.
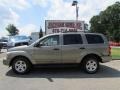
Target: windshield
{"points": [[16, 38], [3, 40]]}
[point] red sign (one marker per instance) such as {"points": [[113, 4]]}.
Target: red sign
{"points": [[52, 25]]}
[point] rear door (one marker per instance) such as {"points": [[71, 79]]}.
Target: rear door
{"points": [[96, 44], [71, 48]]}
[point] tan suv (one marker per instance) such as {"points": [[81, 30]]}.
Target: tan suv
{"points": [[84, 49]]}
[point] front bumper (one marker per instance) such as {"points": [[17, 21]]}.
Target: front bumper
{"points": [[6, 62]]}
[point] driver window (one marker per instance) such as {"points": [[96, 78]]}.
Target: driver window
{"points": [[50, 41]]}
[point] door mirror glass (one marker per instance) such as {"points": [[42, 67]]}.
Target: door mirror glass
{"points": [[36, 45]]}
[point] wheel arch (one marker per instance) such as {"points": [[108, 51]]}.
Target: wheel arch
{"points": [[18, 57], [91, 55]]}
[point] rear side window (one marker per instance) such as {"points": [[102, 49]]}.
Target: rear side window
{"points": [[94, 39], [72, 39]]}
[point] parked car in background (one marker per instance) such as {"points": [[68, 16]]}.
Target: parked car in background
{"points": [[3, 42], [18, 40], [0, 46], [84, 49]]}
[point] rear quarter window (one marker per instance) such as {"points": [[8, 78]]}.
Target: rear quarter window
{"points": [[94, 39]]}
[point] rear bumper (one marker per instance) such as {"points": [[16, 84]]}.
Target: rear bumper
{"points": [[106, 59]]}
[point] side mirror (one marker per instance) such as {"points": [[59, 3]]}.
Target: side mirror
{"points": [[38, 45], [41, 44]]}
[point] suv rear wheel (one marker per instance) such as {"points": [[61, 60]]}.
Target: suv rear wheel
{"points": [[21, 65], [90, 65]]}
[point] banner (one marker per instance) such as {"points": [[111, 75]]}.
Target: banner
{"points": [[63, 26]]}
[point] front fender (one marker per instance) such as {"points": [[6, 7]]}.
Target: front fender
{"points": [[13, 54]]}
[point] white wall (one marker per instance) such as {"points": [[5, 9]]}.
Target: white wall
{"points": [[35, 36]]}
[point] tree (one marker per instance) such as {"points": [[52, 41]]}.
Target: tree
{"points": [[12, 30], [116, 36], [40, 33], [107, 22]]}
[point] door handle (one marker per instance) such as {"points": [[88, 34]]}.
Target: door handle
{"points": [[56, 49], [82, 48]]}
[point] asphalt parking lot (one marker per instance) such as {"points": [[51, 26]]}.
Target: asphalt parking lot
{"points": [[108, 78]]}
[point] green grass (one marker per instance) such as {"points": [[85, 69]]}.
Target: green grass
{"points": [[115, 52]]}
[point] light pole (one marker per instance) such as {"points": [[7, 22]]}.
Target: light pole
{"points": [[75, 4]]}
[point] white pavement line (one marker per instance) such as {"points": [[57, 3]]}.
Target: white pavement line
{"points": [[115, 46]]}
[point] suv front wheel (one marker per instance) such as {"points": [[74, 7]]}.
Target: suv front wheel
{"points": [[21, 65], [91, 65]]}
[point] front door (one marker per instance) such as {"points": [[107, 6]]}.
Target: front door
{"points": [[49, 50]]}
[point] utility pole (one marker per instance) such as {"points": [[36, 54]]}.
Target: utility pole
{"points": [[75, 3]]}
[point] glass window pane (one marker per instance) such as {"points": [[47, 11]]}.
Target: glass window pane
{"points": [[51, 41], [94, 39], [72, 39]]}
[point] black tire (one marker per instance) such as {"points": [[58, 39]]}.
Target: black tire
{"points": [[25, 66], [90, 65]]}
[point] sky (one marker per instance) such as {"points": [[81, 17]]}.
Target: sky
{"points": [[29, 15]]}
